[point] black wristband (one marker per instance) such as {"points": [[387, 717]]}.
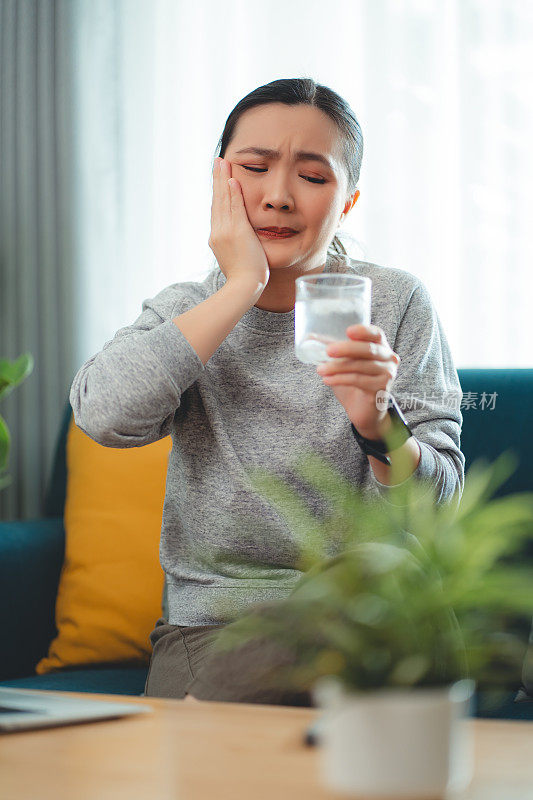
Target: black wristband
{"points": [[400, 432]]}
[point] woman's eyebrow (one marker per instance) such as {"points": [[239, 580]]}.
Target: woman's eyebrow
{"points": [[301, 155]]}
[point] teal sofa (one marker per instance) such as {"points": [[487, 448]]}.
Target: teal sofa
{"points": [[32, 552]]}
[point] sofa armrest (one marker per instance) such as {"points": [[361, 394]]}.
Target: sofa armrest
{"points": [[31, 557]]}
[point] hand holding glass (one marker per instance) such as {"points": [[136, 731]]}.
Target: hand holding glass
{"points": [[325, 306]]}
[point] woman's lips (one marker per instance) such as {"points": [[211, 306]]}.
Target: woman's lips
{"points": [[272, 235]]}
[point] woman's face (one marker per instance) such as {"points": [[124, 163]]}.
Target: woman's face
{"points": [[304, 194]]}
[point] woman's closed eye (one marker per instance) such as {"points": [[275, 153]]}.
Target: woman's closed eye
{"points": [[307, 178]]}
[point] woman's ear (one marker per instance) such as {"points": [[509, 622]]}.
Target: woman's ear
{"points": [[352, 200]]}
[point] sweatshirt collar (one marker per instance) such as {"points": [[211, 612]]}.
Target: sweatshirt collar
{"points": [[283, 322]]}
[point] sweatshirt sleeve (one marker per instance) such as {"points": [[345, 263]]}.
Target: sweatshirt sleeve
{"points": [[428, 391], [127, 394]]}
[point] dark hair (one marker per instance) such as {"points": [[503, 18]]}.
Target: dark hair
{"points": [[305, 91]]}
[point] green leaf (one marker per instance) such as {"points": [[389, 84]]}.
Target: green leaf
{"points": [[11, 374], [482, 480], [14, 372], [410, 670], [505, 589], [5, 442]]}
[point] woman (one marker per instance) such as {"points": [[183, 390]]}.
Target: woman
{"points": [[213, 365]]}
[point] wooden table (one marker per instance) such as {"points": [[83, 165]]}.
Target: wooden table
{"points": [[217, 751]]}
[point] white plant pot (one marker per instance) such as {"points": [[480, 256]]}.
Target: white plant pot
{"points": [[395, 743]]}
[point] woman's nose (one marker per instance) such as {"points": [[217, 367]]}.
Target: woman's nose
{"points": [[278, 205]]}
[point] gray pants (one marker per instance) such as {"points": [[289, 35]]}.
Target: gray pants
{"points": [[182, 663]]}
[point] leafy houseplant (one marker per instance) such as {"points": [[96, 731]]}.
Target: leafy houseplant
{"points": [[11, 374], [404, 599]]}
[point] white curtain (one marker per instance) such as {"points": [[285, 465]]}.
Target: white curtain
{"points": [[441, 88], [121, 103]]}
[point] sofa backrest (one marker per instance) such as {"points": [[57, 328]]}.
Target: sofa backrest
{"points": [[54, 501], [488, 431]]}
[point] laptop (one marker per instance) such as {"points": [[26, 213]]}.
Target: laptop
{"points": [[24, 709]]}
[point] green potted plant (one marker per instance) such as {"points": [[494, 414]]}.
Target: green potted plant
{"points": [[402, 607], [11, 374]]}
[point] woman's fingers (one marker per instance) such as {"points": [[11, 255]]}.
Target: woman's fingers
{"points": [[351, 365], [368, 383], [221, 191], [224, 193], [216, 193], [348, 348], [223, 188]]}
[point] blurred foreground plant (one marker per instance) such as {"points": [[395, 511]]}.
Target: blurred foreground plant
{"points": [[11, 374], [399, 593]]}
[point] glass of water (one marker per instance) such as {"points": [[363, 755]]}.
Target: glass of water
{"points": [[327, 304]]}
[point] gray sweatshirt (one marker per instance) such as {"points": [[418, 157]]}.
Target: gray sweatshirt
{"points": [[255, 405]]}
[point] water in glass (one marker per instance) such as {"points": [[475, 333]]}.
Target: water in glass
{"points": [[322, 319]]}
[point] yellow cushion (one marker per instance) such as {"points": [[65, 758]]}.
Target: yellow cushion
{"points": [[110, 590]]}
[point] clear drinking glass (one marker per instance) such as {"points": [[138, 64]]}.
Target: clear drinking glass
{"points": [[325, 306]]}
